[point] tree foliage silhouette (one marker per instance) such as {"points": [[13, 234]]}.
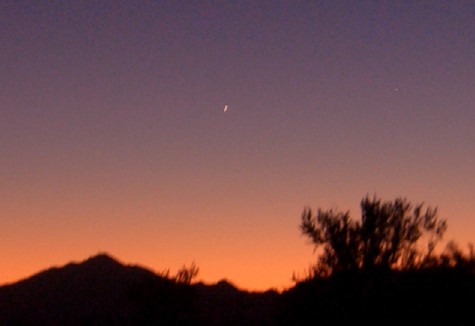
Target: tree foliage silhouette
{"points": [[385, 238]]}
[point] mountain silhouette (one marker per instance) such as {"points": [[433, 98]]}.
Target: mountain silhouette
{"points": [[103, 291], [99, 290]]}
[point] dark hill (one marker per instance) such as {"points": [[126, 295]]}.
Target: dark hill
{"points": [[224, 304], [102, 291], [99, 290]]}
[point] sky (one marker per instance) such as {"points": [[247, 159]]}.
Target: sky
{"points": [[113, 135]]}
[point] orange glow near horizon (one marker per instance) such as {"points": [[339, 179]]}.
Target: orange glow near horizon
{"points": [[249, 260]]}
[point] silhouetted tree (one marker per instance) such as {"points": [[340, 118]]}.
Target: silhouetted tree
{"points": [[386, 237]]}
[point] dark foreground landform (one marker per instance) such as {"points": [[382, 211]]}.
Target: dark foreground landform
{"points": [[102, 291]]}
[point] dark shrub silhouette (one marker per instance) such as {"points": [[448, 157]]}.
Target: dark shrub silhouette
{"points": [[385, 238], [375, 271], [454, 257], [186, 274]]}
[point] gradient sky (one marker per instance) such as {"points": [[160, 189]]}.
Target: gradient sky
{"points": [[113, 135]]}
